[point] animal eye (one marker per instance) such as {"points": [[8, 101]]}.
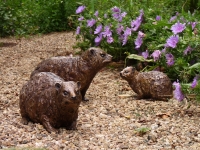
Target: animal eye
{"points": [[126, 71], [65, 93], [103, 55]]}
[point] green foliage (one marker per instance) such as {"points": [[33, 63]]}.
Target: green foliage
{"points": [[154, 33], [141, 131], [31, 17]]}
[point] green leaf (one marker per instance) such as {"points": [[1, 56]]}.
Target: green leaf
{"points": [[140, 58], [195, 66]]}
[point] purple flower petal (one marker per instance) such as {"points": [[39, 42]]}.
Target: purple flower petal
{"points": [[110, 39], [107, 31], [158, 18], [78, 30], [80, 9], [124, 40], [178, 27], [98, 39], [187, 50], [138, 42], [194, 83], [141, 34], [98, 29], [96, 13], [172, 18], [145, 54], [156, 55], [193, 24], [170, 59], [91, 22], [177, 92], [81, 18], [135, 24], [119, 29], [172, 41]]}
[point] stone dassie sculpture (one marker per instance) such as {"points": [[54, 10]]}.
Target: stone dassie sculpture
{"points": [[81, 68], [152, 84], [48, 100]]}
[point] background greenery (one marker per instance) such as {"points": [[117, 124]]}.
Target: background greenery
{"points": [[23, 17]]}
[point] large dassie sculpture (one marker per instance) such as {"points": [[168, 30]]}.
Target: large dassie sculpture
{"points": [[48, 100], [82, 68], [152, 84]]}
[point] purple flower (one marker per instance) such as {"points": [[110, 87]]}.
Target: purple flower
{"points": [[156, 55], [91, 22], [78, 30], [172, 41], [81, 18], [187, 50], [98, 39], [123, 14], [80, 9], [116, 9], [177, 92], [117, 14], [164, 49], [138, 42], [158, 18], [96, 13], [127, 31], [194, 83], [124, 40], [145, 54], [98, 29], [107, 31], [119, 29], [178, 27], [141, 34], [193, 24], [172, 18], [109, 39], [105, 16], [135, 24], [170, 59]]}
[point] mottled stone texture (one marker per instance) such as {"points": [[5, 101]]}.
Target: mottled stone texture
{"points": [[48, 99], [152, 84], [81, 68]]}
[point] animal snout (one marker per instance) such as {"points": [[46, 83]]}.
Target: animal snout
{"points": [[73, 97]]}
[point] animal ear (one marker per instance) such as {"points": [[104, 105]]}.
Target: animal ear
{"points": [[78, 84], [92, 51], [58, 86]]}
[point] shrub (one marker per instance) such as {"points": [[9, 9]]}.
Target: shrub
{"points": [[30, 17], [169, 40]]}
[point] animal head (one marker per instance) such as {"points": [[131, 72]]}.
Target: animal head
{"points": [[128, 72], [98, 56], [69, 92]]}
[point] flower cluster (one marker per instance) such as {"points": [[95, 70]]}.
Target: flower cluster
{"points": [[104, 32], [169, 42]]}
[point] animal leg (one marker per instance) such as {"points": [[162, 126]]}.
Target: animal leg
{"points": [[72, 126], [47, 125], [25, 118], [83, 92]]}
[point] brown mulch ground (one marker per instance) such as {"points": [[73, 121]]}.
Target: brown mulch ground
{"points": [[112, 119]]}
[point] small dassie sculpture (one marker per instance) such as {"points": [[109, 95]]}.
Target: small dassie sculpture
{"points": [[152, 84], [81, 68], [48, 100]]}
